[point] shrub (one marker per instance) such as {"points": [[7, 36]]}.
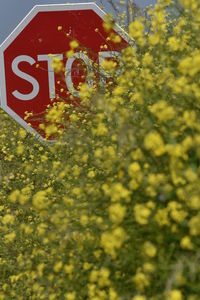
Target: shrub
{"points": [[112, 210]]}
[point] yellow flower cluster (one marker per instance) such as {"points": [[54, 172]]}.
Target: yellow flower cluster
{"points": [[111, 209]]}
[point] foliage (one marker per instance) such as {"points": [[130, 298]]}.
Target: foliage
{"points": [[112, 209]]}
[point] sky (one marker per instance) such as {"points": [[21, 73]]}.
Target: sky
{"points": [[13, 11]]}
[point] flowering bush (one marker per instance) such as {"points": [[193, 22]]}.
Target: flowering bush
{"points": [[112, 209]]}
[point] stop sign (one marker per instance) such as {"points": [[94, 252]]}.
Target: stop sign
{"points": [[28, 81]]}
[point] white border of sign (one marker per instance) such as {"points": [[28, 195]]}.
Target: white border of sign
{"points": [[36, 9]]}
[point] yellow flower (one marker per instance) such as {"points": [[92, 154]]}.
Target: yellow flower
{"points": [[173, 43], [162, 111], [139, 297], [113, 240], [69, 269], [84, 220], [14, 196], [141, 280], [8, 219], [108, 23], [74, 44], [86, 266], [194, 225], [174, 295], [91, 174], [70, 296], [161, 217], [101, 130], [41, 228], [177, 213], [186, 243], [149, 249], [76, 191], [50, 130], [103, 279], [115, 38], [113, 294], [142, 214], [40, 201], [24, 195], [149, 268], [93, 276], [118, 191], [147, 59], [57, 65], [20, 149], [154, 39], [134, 171], [58, 266], [40, 269], [109, 65], [69, 53], [10, 237], [136, 29], [117, 213], [85, 92], [2, 296], [154, 142]]}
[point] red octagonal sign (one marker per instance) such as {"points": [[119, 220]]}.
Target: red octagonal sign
{"points": [[28, 81]]}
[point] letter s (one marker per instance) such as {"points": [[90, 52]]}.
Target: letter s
{"points": [[25, 76]]}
